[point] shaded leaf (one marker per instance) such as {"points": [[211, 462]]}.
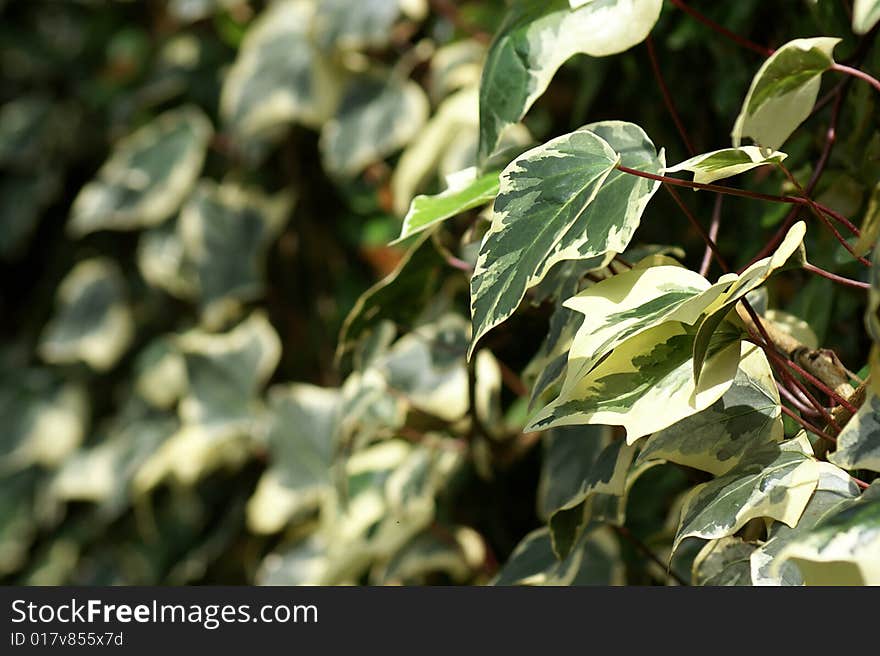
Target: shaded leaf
{"points": [[865, 14], [147, 176], [92, 321], [723, 562], [858, 444]]}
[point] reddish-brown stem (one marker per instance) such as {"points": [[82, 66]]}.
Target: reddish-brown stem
{"points": [[713, 235], [780, 364], [721, 189], [745, 43], [856, 73], [859, 482], [830, 138], [833, 276], [807, 425], [799, 405], [700, 229], [821, 386], [667, 97]]}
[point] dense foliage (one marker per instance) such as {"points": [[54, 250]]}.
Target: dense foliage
{"points": [[387, 291]]}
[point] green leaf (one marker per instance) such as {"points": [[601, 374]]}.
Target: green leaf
{"points": [[302, 444], [536, 38], [279, 77], [783, 91], [865, 15], [745, 419], [593, 495], [147, 176], [775, 482], [561, 201], [858, 444], [399, 297], [834, 492], [842, 548], [463, 193], [570, 454], [595, 561], [92, 321], [870, 224], [723, 562], [455, 552], [749, 280], [376, 117], [226, 230], [646, 383], [728, 162]]}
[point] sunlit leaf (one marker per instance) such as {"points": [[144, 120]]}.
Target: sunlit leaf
{"points": [[833, 492], [647, 383], [92, 321], [745, 419], [776, 482], [147, 176], [842, 548], [536, 38], [561, 201], [728, 162], [783, 91], [344, 25]]}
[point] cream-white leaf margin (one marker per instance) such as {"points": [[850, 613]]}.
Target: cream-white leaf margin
{"points": [[727, 162]]}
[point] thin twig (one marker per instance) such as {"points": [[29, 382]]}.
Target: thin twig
{"points": [[856, 73], [713, 235], [667, 97], [745, 43], [833, 276]]}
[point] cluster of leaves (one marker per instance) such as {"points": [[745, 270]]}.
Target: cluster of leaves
{"points": [[538, 390]]}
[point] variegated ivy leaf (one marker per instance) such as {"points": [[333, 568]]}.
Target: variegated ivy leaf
{"points": [[102, 473], [454, 66], [783, 91], [92, 321], [376, 117], [776, 482], [279, 77], [745, 419], [227, 370], [589, 493], [344, 25], [858, 444], [834, 491], [428, 367], [842, 548], [147, 176], [420, 159], [570, 455], [463, 193], [723, 562], [865, 15], [302, 444], [226, 230], [647, 383], [163, 262], [536, 38], [399, 297], [44, 419], [561, 201], [221, 413], [872, 321], [870, 224], [160, 373], [726, 163], [594, 561], [791, 248], [630, 303]]}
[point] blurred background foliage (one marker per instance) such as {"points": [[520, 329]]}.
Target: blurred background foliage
{"points": [[195, 194]]}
